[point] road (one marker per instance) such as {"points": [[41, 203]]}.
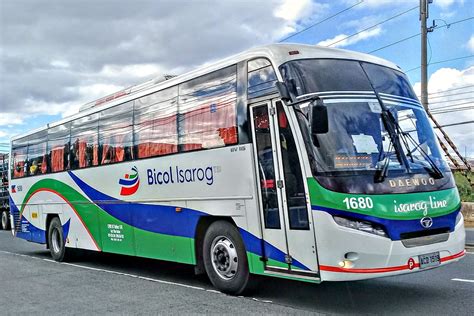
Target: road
{"points": [[111, 284]]}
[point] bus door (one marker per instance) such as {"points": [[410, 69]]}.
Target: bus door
{"points": [[288, 238]]}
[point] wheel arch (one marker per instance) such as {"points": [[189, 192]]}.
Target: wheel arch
{"points": [[203, 224]]}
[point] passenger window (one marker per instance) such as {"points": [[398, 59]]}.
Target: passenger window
{"points": [[207, 111], [58, 145], [115, 134], [85, 142], [294, 186], [156, 131], [261, 78], [19, 151], [37, 155]]}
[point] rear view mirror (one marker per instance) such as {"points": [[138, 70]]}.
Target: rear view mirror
{"points": [[283, 90], [319, 117]]}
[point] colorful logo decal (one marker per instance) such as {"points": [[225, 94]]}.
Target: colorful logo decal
{"points": [[13, 188], [131, 182]]}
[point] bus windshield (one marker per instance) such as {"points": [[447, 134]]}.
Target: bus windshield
{"points": [[358, 141]]}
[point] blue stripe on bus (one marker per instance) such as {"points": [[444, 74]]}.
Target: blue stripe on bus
{"points": [[395, 228], [162, 219], [254, 244]]}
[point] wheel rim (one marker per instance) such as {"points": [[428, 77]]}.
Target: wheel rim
{"points": [[56, 241], [224, 257], [4, 220]]}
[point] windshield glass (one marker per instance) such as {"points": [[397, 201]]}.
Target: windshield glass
{"points": [[358, 141]]}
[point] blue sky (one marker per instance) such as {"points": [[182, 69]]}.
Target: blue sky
{"points": [[55, 57]]}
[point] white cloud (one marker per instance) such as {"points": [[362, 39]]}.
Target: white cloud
{"points": [[445, 4], [60, 63], [340, 40], [442, 96], [293, 10], [11, 118], [470, 44]]}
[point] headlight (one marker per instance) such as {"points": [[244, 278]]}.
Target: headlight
{"points": [[459, 218], [360, 225]]}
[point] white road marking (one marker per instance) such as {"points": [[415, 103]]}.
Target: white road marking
{"points": [[130, 275], [463, 280]]}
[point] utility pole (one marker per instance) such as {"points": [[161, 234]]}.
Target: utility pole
{"points": [[424, 63]]}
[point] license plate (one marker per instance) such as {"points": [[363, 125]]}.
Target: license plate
{"points": [[429, 260]]}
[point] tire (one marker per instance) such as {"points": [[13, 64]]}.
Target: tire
{"points": [[5, 221], [225, 258], [56, 242]]}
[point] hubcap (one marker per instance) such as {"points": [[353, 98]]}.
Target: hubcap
{"points": [[4, 220], [224, 257], [56, 241]]}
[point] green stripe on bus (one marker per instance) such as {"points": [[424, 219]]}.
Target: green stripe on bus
{"points": [[100, 224], [384, 205]]}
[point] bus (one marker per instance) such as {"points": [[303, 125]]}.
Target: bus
{"points": [[292, 161]]}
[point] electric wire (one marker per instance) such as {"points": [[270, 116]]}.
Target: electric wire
{"points": [[319, 22], [440, 62], [418, 34], [371, 27]]}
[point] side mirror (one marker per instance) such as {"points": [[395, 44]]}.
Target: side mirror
{"points": [[319, 117], [283, 90]]}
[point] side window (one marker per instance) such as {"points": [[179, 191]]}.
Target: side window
{"points": [[19, 151], [156, 131], [37, 154], [261, 78], [207, 111], [58, 146], [115, 134], [85, 142]]}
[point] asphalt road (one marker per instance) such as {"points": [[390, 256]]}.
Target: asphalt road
{"points": [[110, 284]]}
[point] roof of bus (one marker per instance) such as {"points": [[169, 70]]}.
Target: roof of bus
{"points": [[278, 54]]}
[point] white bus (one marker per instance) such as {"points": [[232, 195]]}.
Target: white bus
{"points": [[292, 161]]}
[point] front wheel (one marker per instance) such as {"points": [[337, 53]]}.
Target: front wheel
{"points": [[225, 259], [56, 240]]}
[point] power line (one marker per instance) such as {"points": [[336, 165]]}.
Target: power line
{"points": [[418, 34], [319, 22], [452, 106], [370, 27], [450, 95], [456, 124], [441, 61], [394, 43], [449, 90], [466, 108], [453, 100], [459, 88]]}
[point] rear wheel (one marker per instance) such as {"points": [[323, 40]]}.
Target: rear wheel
{"points": [[56, 240], [225, 258], [5, 220]]}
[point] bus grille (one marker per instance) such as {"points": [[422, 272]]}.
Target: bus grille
{"points": [[424, 237]]}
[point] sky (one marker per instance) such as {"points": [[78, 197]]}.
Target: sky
{"points": [[57, 55]]}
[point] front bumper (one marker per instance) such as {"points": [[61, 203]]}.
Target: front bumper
{"points": [[347, 254]]}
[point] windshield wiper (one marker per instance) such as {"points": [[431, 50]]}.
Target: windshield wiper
{"points": [[381, 172], [434, 170]]}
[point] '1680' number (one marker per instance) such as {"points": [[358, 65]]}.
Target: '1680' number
{"points": [[358, 203]]}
